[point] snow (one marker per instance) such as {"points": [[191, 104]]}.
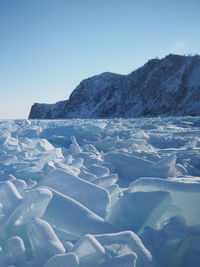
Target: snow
{"points": [[100, 192]]}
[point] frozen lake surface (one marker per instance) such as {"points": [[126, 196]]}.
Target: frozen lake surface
{"points": [[100, 192]]}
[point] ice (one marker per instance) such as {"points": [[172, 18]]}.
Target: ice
{"points": [[92, 150], [106, 180], [73, 191], [175, 227], [93, 197], [20, 185], [4, 137], [89, 251], [166, 167], [132, 168], [99, 171], [12, 144], [128, 167], [67, 245], [16, 250], [126, 260], [71, 219], [132, 212], [61, 260], [124, 243], [1, 208], [43, 240], [115, 194], [174, 244], [153, 239], [87, 176], [9, 196], [195, 161], [44, 145], [34, 204], [77, 163], [185, 194], [75, 145]]}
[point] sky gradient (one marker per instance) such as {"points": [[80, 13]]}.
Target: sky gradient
{"points": [[48, 46]]}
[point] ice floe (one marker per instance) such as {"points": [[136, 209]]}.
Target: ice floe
{"points": [[100, 192]]}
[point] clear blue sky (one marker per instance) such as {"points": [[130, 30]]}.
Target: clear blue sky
{"points": [[48, 46]]}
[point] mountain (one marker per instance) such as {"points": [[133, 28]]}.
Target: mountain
{"points": [[168, 86]]}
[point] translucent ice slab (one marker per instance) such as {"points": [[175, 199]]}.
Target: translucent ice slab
{"points": [[124, 243], [185, 194], [135, 210], [89, 251], [71, 219], [93, 197], [44, 242], [62, 260]]}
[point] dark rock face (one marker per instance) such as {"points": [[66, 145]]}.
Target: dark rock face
{"points": [[168, 86]]}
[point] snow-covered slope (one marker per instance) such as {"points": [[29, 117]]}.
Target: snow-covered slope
{"points": [[168, 86]]}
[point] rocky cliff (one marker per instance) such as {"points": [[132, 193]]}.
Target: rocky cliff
{"points": [[168, 86]]}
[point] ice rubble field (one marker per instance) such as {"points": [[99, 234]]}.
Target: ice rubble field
{"points": [[100, 193]]}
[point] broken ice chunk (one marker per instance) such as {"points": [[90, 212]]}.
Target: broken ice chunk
{"points": [[167, 167], [75, 146], [12, 144], [93, 197], [34, 204], [90, 148], [89, 251], [77, 163], [184, 192], [115, 193], [8, 159], [62, 260], [67, 245], [106, 180], [10, 197], [153, 239], [125, 260], [44, 145], [4, 137], [8, 177], [87, 176], [16, 250], [71, 219], [88, 158], [174, 244], [44, 241], [175, 227], [195, 161], [71, 169], [99, 171], [131, 167], [124, 243], [135, 210], [128, 167], [20, 185]]}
